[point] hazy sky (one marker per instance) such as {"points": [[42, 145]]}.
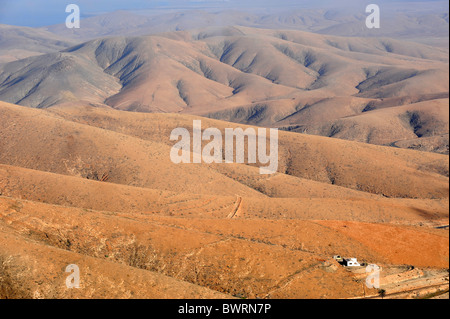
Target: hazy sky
{"points": [[47, 12]]}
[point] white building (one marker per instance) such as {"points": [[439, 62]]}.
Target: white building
{"points": [[351, 262]]}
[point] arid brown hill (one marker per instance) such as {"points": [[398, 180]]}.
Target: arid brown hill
{"points": [[294, 80], [95, 187]]}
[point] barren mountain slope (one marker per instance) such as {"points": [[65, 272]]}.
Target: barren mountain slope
{"points": [[245, 258], [97, 144], [205, 70], [317, 203], [37, 140], [354, 165], [32, 269], [95, 187], [415, 123]]}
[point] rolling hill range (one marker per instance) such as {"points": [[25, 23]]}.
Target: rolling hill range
{"points": [[86, 176], [95, 186], [21, 42], [93, 141], [297, 81]]}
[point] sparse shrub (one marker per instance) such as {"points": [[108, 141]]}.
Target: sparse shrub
{"points": [[10, 285], [96, 176]]}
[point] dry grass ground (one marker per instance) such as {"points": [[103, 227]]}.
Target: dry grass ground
{"points": [[95, 187]]}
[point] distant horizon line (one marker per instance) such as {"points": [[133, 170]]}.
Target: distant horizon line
{"points": [[31, 18]]}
